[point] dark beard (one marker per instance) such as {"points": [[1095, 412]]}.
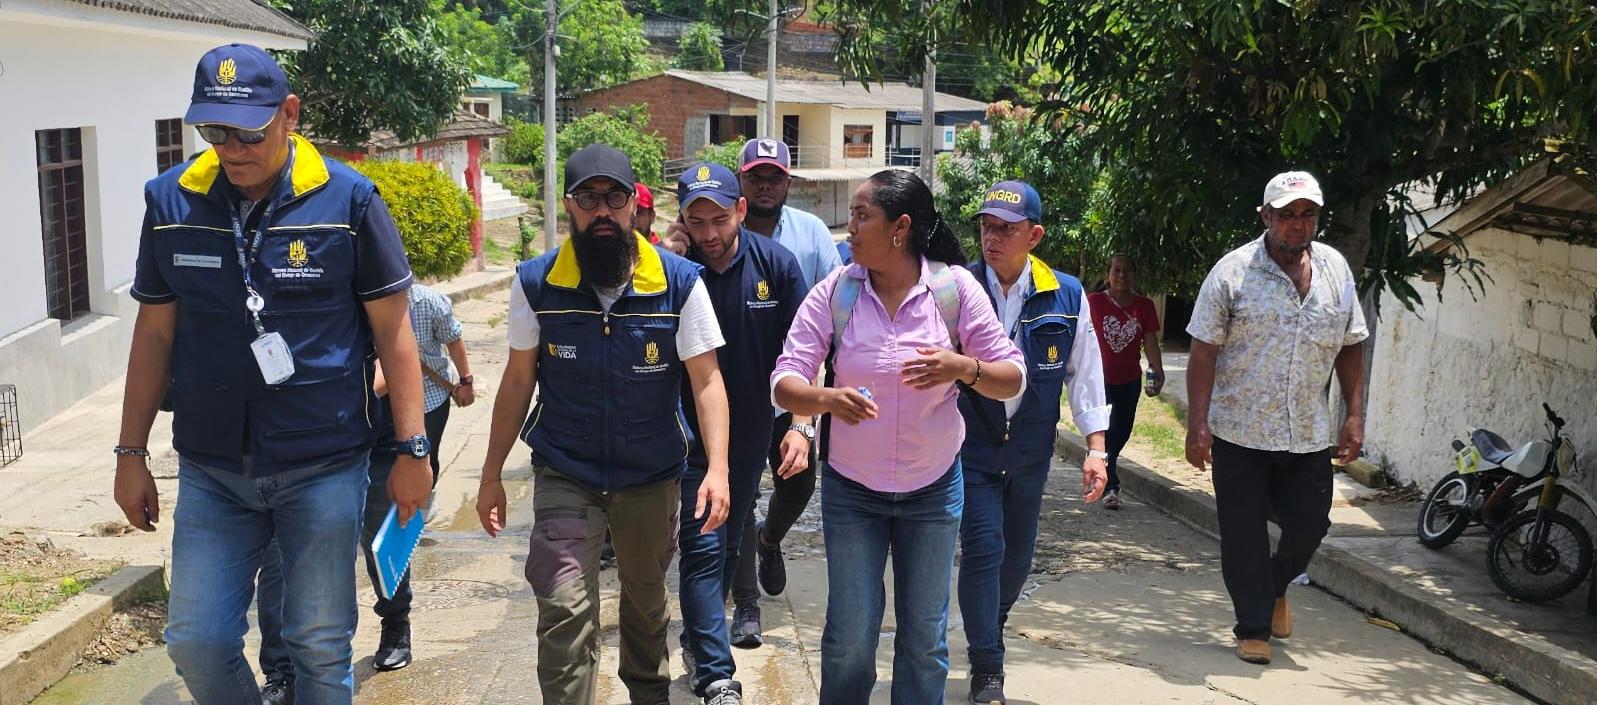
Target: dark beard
{"points": [[606, 262], [1274, 245], [759, 212]]}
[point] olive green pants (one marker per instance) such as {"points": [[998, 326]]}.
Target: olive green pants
{"points": [[568, 531]]}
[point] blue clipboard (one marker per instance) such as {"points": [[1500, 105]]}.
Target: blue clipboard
{"points": [[393, 548]]}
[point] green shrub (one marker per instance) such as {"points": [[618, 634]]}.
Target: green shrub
{"points": [[434, 214], [519, 179], [524, 144], [699, 49], [624, 129], [727, 154]]}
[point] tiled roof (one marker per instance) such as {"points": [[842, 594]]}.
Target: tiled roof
{"points": [[238, 14], [843, 94], [465, 124]]}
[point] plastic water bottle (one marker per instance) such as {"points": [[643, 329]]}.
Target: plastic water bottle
{"points": [[1148, 385], [865, 393]]}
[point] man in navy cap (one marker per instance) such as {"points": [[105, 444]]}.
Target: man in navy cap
{"points": [[1009, 444], [267, 276], [604, 328], [755, 287]]}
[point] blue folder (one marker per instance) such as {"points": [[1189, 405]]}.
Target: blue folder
{"points": [[393, 548]]}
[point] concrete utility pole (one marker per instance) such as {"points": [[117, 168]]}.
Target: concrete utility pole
{"points": [[928, 118], [771, 127], [551, 219]]}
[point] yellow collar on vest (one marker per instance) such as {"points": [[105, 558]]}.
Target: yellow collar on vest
{"points": [[308, 173], [1042, 276], [648, 277]]}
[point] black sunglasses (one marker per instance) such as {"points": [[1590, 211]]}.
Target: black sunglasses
{"points": [[218, 134], [589, 200]]}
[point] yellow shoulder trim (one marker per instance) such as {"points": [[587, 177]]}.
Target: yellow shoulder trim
{"points": [[1042, 276], [309, 172], [647, 278]]}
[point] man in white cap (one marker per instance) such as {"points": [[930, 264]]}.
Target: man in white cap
{"points": [[1274, 318]]}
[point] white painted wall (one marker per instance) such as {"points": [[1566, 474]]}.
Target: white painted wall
{"points": [[1490, 362], [112, 74]]}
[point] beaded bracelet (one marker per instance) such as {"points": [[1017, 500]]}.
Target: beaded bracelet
{"points": [[977, 378], [131, 450]]}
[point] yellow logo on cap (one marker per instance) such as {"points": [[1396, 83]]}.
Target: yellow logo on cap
{"points": [[703, 174], [297, 256], [1053, 353], [226, 72], [1003, 195], [651, 353], [762, 290]]}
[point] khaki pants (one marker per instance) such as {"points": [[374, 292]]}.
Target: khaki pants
{"points": [[563, 568]]}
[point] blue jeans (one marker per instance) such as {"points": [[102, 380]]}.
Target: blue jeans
{"points": [[998, 536], [222, 528], [861, 527], [706, 566], [274, 657]]}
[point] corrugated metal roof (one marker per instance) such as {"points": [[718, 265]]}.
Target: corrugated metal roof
{"points": [[464, 124], [489, 84], [842, 94], [238, 14]]}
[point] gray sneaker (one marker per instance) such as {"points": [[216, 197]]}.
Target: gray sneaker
{"points": [[724, 692], [746, 626], [987, 689]]}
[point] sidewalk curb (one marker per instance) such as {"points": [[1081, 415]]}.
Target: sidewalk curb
{"points": [[35, 658], [1531, 663], [496, 278]]}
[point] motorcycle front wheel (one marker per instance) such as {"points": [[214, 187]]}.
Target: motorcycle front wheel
{"points": [[1539, 555], [1445, 512]]}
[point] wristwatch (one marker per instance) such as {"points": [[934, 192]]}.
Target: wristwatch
{"points": [[466, 380], [1099, 454], [415, 447], [807, 429]]}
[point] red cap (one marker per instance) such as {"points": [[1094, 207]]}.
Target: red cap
{"points": [[644, 196]]}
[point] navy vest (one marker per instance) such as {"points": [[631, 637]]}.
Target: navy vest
{"points": [[609, 407], [306, 272], [1045, 333]]}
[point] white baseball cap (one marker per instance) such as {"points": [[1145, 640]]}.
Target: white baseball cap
{"points": [[1290, 186]]}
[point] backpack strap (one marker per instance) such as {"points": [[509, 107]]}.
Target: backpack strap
{"points": [[945, 291], [844, 294]]}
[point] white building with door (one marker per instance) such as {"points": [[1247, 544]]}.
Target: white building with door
{"points": [[94, 93], [1490, 357]]}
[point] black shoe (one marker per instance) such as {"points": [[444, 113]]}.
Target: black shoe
{"points": [[987, 689], [607, 555], [746, 626], [279, 690], [393, 649], [724, 692], [772, 568]]}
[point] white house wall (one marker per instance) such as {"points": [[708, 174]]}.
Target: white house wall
{"points": [[114, 82], [1490, 362]]}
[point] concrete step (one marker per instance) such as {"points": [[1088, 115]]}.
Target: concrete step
{"points": [[502, 209]]}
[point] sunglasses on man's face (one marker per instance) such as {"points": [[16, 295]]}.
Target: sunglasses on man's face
{"points": [[589, 200], [218, 134]]}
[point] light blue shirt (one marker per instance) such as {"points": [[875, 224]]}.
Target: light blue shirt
{"points": [[432, 319], [810, 241]]}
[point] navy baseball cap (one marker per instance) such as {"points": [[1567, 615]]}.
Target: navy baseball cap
{"points": [[1012, 202], [237, 85], [766, 151], [711, 181], [599, 161]]}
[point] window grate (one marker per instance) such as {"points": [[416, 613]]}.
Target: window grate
{"points": [[10, 426]]}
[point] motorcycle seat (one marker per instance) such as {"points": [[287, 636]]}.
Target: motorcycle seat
{"points": [[1492, 446]]}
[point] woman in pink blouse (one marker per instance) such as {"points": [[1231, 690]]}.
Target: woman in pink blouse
{"points": [[891, 482]]}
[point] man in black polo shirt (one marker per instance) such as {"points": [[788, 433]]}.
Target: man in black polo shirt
{"points": [[755, 288]]}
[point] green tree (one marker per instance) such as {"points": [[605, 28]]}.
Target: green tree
{"points": [[524, 144], [727, 154], [434, 214], [601, 44], [1201, 100], [373, 66], [484, 47], [699, 49], [624, 129]]}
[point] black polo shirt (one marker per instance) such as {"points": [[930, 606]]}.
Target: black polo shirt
{"points": [[755, 300]]}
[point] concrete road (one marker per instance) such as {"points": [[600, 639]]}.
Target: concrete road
{"points": [[1125, 608]]}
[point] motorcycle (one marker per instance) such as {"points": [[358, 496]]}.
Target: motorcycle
{"points": [[1542, 553], [1480, 490]]}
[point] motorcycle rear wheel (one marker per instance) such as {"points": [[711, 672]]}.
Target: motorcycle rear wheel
{"points": [[1444, 514], [1535, 560]]}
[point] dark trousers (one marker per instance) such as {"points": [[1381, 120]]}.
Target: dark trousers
{"points": [[1249, 487], [997, 537], [789, 498], [705, 565], [274, 658], [1122, 416]]}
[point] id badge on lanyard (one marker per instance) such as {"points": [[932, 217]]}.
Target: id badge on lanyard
{"points": [[272, 354]]}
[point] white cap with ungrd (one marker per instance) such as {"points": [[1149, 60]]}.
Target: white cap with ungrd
{"points": [[1290, 186]]}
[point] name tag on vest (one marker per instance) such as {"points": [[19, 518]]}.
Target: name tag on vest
{"points": [[205, 261]]}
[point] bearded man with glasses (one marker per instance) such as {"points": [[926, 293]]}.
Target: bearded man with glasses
{"points": [[267, 277], [604, 328]]}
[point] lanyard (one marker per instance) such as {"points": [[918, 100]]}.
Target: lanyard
{"points": [[253, 301]]}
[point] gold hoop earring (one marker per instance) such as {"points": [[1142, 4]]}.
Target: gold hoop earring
{"points": [[897, 241]]}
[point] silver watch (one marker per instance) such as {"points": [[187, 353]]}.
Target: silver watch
{"points": [[807, 429], [1099, 454]]}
